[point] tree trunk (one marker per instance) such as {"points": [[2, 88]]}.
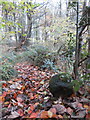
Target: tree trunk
{"points": [[76, 52]]}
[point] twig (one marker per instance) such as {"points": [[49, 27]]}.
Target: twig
{"points": [[83, 60]]}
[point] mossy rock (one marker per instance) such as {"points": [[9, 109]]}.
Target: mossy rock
{"points": [[60, 85]]}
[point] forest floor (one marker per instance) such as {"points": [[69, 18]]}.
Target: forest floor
{"points": [[28, 96]]}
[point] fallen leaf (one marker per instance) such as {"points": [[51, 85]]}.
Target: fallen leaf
{"points": [[20, 105], [81, 113], [14, 115], [6, 103], [24, 76], [14, 95], [9, 91], [10, 82], [4, 94], [44, 114], [87, 107], [2, 99], [20, 111], [53, 110], [79, 105], [44, 92], [84, 100], [33, 115], [88, 116], [19, 99], [29, 111], [55, 116], [60, 108], [42, 82], [32, 107], [50, 114], [46, 98], [36, 96], [31, 96], [23, 88], [37, 103], [32, 89], [9, 106], [16, 86], [69, 111], [60, 116], [74, 105], [4, 85], [19, 92]]}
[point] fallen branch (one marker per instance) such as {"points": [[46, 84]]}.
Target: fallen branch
{"points": [[83, 60]]}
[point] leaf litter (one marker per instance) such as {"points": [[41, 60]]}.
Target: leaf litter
{"points": [[28, 96]]}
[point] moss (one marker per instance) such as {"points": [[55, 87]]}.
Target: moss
{"points": [[60, 85]]}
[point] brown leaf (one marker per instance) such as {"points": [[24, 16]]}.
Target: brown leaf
{"points": [[36, 96], [79, 105], [50, 114], [87, 107], [31, 96], [4, 85], [4, 94], [20, 111], [88, 116], [29, 111], [14, 95], [10, 82], [32, 107], [2, 99], [37, 103], [44, 114], [59, 108], [55, 116], [34, 115], [80, 114], [6, 103], [53, 110], [33, 89], [74, 105], [23, 88], [19, 92], [60, 116], [84, 100], [19, 99], [69, 111]]}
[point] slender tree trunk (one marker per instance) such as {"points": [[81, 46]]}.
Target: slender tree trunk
{"points": [[66, 8], [45, 25], [29, 17], [76, 53], [60, 5], [89, 30], [88, 62]]}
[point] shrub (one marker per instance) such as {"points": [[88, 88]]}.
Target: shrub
{"points": [[49, 64], [41, 49], [9, 57], [7, 71], [44, 57], [7, 62]]}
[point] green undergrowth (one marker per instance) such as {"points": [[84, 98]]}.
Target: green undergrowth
{"points": [[37, 55]]}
